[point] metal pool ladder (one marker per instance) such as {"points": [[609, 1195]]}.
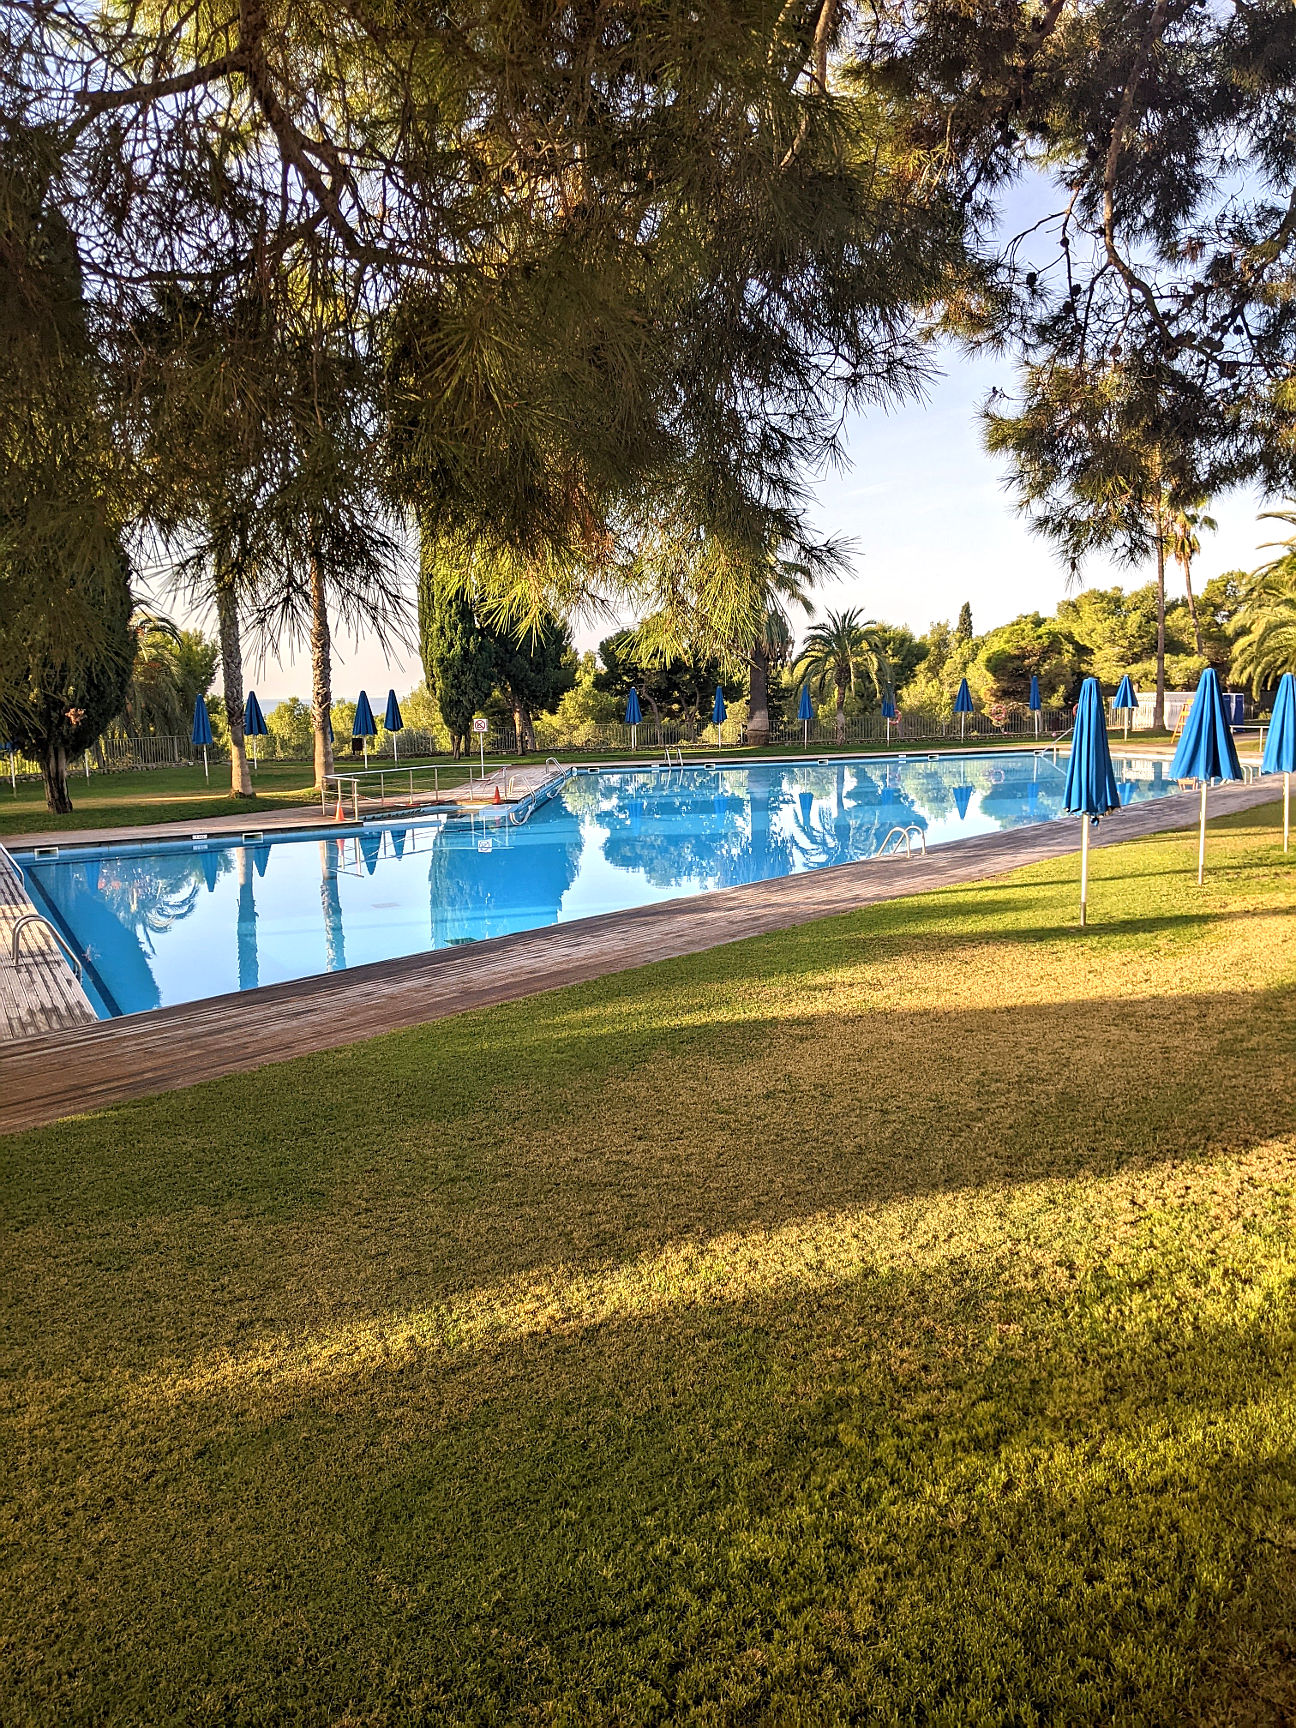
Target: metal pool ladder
{"points": [[902, 837], [20, 924]]}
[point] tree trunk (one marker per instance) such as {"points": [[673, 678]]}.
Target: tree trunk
{"points": [[54, 775], [519, 727], [528, 730], [1192, 606], [758, 720], [231, 651], [1158, 711], [841, 713], [321, 673], [331, 905]]}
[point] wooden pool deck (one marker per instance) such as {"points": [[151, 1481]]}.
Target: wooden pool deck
{"points": [[39, 992], [87, 1066]]}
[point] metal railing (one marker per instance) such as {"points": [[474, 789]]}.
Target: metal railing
{"points": [[20, 924], [902, 836], [394, 787]]}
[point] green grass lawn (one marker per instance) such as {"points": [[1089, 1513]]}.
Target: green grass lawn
{"points": [[136, 798], [887, 1321]]}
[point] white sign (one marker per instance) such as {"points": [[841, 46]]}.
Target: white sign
{"points": [[481, 725]]}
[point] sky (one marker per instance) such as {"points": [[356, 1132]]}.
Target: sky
{"points": [[931, 525]]}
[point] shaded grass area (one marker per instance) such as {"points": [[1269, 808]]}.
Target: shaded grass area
{"points": [[888, 1320]]}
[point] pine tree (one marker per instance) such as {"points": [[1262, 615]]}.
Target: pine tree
{"points": [[535, 670]]}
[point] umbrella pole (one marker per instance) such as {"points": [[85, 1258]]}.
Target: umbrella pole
{"points": [[962, 727], [393, 746], [206, 769], [1201, 841], [1286, 810], [1084, 869]]}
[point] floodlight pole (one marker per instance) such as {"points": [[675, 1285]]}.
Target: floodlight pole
{"points": [[1084, 869]]}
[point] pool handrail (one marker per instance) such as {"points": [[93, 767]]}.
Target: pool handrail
{"points": [[905, 833], [20, 924]]}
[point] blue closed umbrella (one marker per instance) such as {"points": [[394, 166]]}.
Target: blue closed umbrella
{"points": [[633, 716], [392, 719], [1035, 704], [202, 732], [1091, 789], [1125, 699], [805, 713], [1280, 746], [963, 705], [1206, 750], [254, 725], [889, 712], [718, 711], [363, 724]]}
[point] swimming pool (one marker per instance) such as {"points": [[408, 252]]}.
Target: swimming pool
{"points": [[176, 922]]}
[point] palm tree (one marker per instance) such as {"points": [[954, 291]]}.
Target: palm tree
{"points": [[841, 650], [1265, 621], [1182, 529]]}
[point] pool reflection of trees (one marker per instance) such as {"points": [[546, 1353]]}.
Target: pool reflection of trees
{"points": [[493, 882], [127, 902], [738, 827]]}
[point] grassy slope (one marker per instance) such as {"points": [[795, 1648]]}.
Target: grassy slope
{"points": [[889, 1320]]}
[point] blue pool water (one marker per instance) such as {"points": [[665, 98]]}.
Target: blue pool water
{"points": [[173, 923]]}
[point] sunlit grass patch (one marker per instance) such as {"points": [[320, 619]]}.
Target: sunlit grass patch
{"points": [[889, 1320]]}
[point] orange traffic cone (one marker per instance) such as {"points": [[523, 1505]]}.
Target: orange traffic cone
{"points": [[337, 814], [496, 799]]}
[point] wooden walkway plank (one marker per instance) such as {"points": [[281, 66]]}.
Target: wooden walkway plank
{"points": [[88, 1066]]}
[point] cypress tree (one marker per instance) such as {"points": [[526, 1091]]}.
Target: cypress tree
{"points": [[458, 660]]}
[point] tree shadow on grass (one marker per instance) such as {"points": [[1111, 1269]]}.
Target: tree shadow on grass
{"points": [[993, 1488]]}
